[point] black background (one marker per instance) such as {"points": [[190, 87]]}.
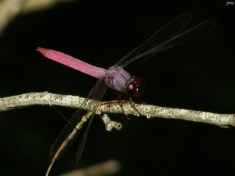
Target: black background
{"points": [[199, 75]]}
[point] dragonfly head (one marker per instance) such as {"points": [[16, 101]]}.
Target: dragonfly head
{"points": [[135, 87]]}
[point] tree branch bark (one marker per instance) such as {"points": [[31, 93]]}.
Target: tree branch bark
{"points": [[116, 107], [106, 168], [9, 9]]}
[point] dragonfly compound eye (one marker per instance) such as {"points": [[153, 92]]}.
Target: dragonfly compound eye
{"points": [[135, 87]]}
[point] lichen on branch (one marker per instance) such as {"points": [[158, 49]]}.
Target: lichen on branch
{"points": [[115, 107]]}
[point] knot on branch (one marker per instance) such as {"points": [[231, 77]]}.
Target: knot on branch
{"points": [[110, 124]]}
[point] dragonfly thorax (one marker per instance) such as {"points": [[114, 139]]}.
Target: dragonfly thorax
{"points": [[119, 79]]}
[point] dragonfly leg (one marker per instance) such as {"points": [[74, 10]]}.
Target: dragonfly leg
{"points": [[133, 106], [120, 103]]}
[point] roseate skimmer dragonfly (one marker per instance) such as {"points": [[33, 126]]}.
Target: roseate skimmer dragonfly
{"points": [[116, 77]]}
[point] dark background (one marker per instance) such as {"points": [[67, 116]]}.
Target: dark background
{"points": [[199, 75]]}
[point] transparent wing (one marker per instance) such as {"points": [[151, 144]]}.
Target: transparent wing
{"points": [[168, 31], [97, 93], [153, 45]]}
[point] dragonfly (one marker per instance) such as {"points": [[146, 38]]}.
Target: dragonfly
{"points": [[116, 77]]}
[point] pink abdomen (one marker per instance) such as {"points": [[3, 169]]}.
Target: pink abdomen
{"points": [[72, 62]]}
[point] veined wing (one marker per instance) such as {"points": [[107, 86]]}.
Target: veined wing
{"points": [[173, 28], [70, 131], [153, 46]]}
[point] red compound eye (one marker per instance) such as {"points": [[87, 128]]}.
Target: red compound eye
{"points": [[135, 87]]}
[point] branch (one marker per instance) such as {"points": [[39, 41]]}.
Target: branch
{"points": [[9, 9], [115, 107], [106, 168]]}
